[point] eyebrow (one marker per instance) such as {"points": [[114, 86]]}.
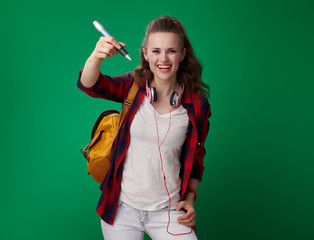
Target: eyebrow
{"points": [[157, 48]]}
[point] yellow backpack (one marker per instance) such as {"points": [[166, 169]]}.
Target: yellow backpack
{"points": [[103, 136]]}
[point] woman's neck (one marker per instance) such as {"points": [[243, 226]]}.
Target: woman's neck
{"points": [[165, 88]]}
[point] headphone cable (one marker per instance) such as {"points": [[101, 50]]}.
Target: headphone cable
{"points": [[164, 176]]}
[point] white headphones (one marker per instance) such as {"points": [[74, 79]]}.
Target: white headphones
{"points": [[175, 97]]}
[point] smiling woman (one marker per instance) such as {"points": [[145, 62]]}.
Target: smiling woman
{"points": [[158, 156], [164, 53], [190, 70]]}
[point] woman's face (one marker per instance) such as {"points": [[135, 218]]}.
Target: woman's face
{"points": [[164, 54]]}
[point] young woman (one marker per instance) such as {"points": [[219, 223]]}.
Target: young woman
{"points": [[157, 162]]}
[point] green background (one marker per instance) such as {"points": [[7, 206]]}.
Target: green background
{"points": [[258, 60]]}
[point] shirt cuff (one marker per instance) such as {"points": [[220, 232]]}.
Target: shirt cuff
{"points": [[197, 174], [88, 89]]}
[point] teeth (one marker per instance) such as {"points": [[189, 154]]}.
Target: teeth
{"points": [[164, 67]]}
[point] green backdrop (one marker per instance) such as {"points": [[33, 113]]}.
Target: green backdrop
{"points": [[258, 60]]}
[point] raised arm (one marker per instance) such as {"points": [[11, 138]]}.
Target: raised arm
{"points": [[105, 48]]}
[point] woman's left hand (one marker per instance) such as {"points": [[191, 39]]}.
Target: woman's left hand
{"points": [[188, 218]]}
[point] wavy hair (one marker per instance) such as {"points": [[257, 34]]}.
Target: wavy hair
{"points": [[190, 69]]}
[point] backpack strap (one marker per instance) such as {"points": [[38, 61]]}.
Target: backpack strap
{"points": [[128, 102]]}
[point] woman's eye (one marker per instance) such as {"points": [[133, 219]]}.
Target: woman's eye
{"points": [[173, 51], [155, 51]]}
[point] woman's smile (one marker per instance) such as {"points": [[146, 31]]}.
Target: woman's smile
{"points": [[164, 68]]}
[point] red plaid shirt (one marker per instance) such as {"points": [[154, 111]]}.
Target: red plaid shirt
{"points": [[198, 110]]}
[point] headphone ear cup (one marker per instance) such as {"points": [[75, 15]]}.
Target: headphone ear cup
{"points": [[174, 99], [153, 93]]}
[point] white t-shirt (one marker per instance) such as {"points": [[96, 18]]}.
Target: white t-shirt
{"points": [[142, 185]]}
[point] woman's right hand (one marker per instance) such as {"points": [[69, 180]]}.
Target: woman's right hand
{"points": [[105, 48]]}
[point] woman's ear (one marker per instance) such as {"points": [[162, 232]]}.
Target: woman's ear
{"points": [[183, 54], [145, 53]]}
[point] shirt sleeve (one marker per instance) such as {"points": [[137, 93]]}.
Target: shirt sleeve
{"points": [[106, 87], [204, 112]]}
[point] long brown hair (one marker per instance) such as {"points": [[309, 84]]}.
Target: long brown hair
{"points": [[190, 70]]}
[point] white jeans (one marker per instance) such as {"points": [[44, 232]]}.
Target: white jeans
{"points": [[130, 224]]}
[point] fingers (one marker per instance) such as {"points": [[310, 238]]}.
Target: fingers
{"points": [[180, 206], [188, 218], [111, 40], [106, 47], [123, 44]]}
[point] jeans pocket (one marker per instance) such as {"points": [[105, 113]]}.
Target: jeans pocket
{"points": [[165, 209]]}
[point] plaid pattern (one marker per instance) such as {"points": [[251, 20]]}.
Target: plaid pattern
{"points": [[198, 110]]}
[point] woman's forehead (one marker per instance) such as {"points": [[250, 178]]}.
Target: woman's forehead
{"points": [[163, 40]]}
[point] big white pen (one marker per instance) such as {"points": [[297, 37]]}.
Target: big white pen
{"points": [[105, 33]]}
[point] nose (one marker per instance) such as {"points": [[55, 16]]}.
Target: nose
{"points": [[164, 56]]}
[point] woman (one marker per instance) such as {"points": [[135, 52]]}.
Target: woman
{"points": [[157, 162]]}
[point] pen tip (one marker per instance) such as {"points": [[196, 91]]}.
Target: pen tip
{"points": [[128, 57]]}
